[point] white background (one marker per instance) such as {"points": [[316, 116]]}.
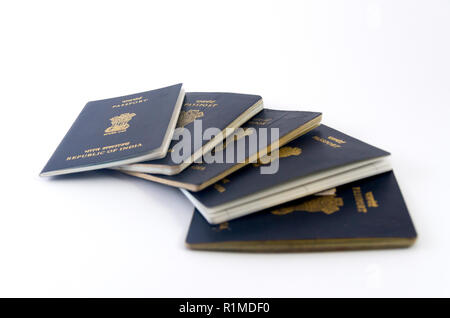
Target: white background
{"points": [[378, 70]]}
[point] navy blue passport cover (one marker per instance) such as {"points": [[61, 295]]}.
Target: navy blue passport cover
{"points": [[285, 121], [321, 149], [115, 129], [216, 110], [365, 210]]}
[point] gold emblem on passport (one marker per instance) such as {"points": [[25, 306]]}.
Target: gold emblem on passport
{"points": [[326, 204], [119, 123], [187, 117], [283, 152]]}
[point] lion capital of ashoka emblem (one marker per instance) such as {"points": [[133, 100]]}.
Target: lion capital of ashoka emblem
{"points": [[283, 152], [119, 123], [187, 117], [326, 204]]}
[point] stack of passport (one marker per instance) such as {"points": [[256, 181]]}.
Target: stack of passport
{"points": [[259, 179]]}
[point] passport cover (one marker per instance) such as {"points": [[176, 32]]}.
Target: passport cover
{"points": [[111, 130], [320, 149], [216, 110], [366, 214], [291, 124]]}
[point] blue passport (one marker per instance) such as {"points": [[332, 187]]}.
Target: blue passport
{"points": [[117, 131], [222, 111], [321, 159], [366, 214], [290, 125]]}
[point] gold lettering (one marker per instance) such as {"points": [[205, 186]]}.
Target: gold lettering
{"points": [[221, 227], [260, 121], [371, 202], [327, 142], [339, 141], [131, 101], [202, 103], [100, 151], [198, 167], [360, 205], [219, 188]]}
